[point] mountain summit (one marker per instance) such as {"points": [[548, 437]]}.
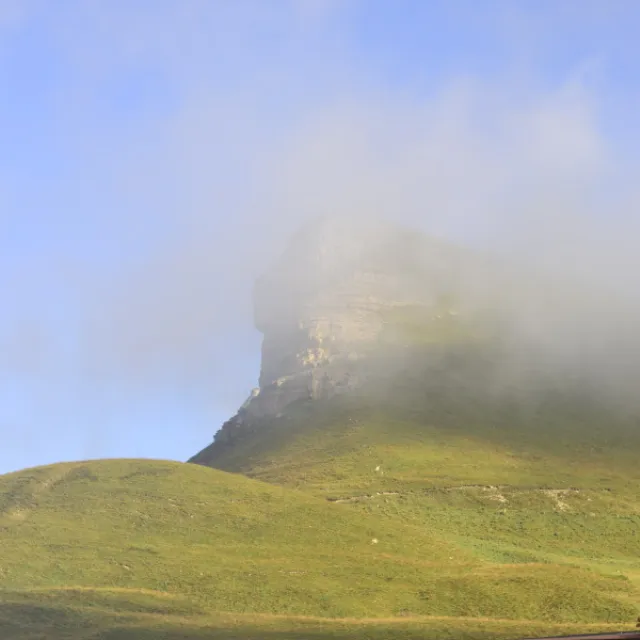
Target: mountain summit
{"points": [[361, 308], [345, 294]]}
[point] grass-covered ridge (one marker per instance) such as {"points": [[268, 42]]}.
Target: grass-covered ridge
{"points": [[537, 488], [193, 540], [437, 437], [232, 543]]}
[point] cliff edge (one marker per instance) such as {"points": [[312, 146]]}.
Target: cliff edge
{"points": [[343, 292]]}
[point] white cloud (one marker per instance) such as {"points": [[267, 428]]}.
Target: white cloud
{"points": [[252, 148]]}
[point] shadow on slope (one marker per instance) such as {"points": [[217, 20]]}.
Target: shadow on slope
{"points": [[91, 616]]}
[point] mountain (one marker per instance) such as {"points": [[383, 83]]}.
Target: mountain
{"points": [[427, 455], [391, 320], [344, 308]]}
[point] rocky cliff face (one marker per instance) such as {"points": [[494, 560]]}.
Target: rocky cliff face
{"points": [[358, 307], [329, 304]]}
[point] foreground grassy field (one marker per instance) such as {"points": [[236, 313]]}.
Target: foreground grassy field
{"points": [[134, 547], [225, 541], [131, 614]]}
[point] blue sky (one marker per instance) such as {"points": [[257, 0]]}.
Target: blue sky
{"points": [[156, 154]]}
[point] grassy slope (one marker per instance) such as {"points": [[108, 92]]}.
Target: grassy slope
{"points": [[226, 541], [145, 545], [333, 447], [539, 489]]}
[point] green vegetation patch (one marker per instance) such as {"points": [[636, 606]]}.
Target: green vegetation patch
{"points": [[214, 541]]}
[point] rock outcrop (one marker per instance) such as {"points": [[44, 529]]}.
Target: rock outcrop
{"points": [[331, 303], [361, 307]]}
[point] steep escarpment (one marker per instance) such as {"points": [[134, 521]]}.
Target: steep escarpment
{"points": [[357, 308], [346, 304]]}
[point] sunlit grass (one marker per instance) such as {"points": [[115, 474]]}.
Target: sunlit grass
{"points": [[213, 541]]}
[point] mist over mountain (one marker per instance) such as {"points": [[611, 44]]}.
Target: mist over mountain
{"points": [[354, 303], [365, 272], [178, 166]]}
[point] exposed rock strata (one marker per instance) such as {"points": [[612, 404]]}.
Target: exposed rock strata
{"points": [[357, 306], [324, 310]]}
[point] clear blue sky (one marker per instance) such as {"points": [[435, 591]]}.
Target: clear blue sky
{"points": [[155, 154]]}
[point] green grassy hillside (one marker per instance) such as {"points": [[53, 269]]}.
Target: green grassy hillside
{"points": [[161, 546], [407, 439], [223, 540], [539, 488]]}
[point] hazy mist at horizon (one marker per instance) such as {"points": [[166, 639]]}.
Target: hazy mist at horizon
{"points": [[155, 158]]}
